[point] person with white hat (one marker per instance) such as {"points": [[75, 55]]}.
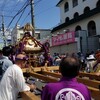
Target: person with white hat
{"points": [[90, 63]]}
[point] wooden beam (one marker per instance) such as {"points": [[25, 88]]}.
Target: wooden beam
{"points": [[36, 69], [88, 82], [87, 79], [90, 75], [57, 75], [49, 68], [81, 74], [29, 96], [43, 77], [25, 70], [94, 92]]}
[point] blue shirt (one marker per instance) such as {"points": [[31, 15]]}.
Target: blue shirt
{"points": [[5, 64]]}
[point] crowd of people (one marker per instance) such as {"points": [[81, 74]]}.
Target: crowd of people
{"points": [[88, 62], [12, 80]]}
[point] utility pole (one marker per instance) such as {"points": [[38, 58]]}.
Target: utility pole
{"points": [[3, 30], [32, 16]]}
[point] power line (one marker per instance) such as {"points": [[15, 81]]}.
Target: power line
{"points": [[26, 17], [15, 6], [21, 11], [23, 8], [35, 4], [20, 17]]}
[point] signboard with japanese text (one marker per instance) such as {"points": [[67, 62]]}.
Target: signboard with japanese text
{"points": [[65, 38]]}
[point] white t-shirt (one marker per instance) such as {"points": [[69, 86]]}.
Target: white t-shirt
{"points": [[12, 83]]}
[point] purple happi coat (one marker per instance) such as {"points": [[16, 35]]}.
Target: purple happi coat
{"points": [[66, 89]]}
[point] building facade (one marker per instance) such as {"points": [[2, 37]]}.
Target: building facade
{"points": [[5, 38], [16, 34], [81, 17]]}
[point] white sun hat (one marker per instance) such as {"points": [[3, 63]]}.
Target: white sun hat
{"points": [[90, 57]]}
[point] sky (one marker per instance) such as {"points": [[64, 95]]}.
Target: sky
{"points": [[46, 14]]}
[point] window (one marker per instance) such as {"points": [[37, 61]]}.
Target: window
{"points": [[66, 7], [98, 4], [91, 28], [21, 35], [86, 9], [37, 35], [76, 15], [75, 3], [77, 28], [67, 19]]}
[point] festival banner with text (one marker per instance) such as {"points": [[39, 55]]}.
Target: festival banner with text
{"points": [[65, 38]]}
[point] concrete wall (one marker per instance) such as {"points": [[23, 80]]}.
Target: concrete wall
{"points": [[79, 8], [93, 42], [83, 24], [68, 48]]}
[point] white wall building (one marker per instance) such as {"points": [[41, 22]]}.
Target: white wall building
{"points": [[79, 15], [5, 37], [8, 37], [16, 34]]}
